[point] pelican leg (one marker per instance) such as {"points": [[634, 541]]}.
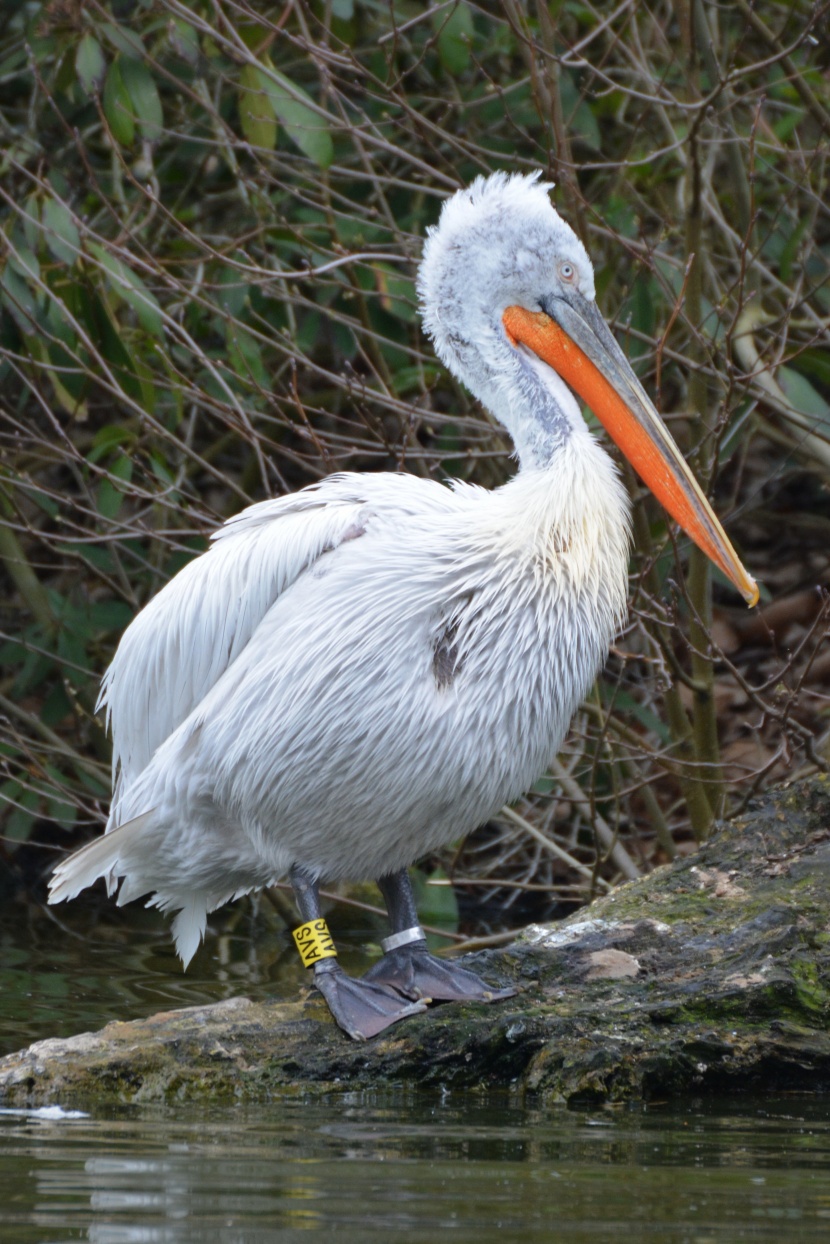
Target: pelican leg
{"points": [[361, 1008], [408, 966]]}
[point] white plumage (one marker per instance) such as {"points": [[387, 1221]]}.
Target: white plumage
{"points": [[359, 673]]}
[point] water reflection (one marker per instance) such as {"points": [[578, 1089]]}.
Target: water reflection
{"points": [[400, 1166], [74, 971], [410, 1166]]}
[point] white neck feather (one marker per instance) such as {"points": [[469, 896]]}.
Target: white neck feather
{"points": [[572, 516], [496, 245]]}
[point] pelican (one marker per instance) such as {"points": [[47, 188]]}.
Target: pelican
{"points": [[354, 675]]}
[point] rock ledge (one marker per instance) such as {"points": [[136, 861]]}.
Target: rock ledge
{"points": [[711, 974]]}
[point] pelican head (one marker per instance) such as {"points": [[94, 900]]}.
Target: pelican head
{"points": [[507, 296]]}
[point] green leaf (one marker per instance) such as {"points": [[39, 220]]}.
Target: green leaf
{"points": [[60, 231], [816, 363], [585, 126], [31, 221], [642, 305], [18, 299], [144, 95], [183, 40], [90, 64], [124, 40], [308, 331], [65, 75], [19, 822], [118, 107], [580, 120], [805, 398], [68, 385], [145, 379], [232, 290], [791, 248], [245, 357], [10, 791], [787, 122], [436, 904], [132, 289], [99, 559], [44, 502], [627, 707], [25, 262], [302, 123], [110, 496], [252, 31], [101, 790], [399, 296], [56, 706], [13, 60], [408, 379], [108, 438], [111, 615], [455, 36], [60, 810], [256, 116], [86, 305]]}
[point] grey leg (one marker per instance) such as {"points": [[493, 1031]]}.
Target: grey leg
{"points": [[362, 1008], [407, 965]]}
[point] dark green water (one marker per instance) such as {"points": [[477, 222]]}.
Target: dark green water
{"points": [[392, 1166], [397, 1166], [71, 968]]}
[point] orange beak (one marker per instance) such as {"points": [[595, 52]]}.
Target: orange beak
{"points": [[572, 338]]}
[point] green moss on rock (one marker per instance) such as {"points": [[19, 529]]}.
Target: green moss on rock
{"points": [[711, 974]]}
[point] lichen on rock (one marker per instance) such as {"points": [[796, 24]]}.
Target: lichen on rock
{"points": [[710, 974]]}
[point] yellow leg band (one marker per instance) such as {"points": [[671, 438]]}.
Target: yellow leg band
{"points": [[314, 942]]}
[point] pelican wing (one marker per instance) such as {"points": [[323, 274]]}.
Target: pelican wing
{"points": [[177, 648]]}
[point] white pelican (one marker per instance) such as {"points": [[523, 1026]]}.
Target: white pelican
{"points": [[355, 675]]}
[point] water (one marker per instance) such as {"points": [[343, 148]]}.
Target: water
{"points": [[73, 968], [413, 1167], [393, 1165]]}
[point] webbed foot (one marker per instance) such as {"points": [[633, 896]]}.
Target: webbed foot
{"points": [[415, 973], [362, 1008]]}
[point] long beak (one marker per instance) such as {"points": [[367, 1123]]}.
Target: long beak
{"points": [[572, 337]]}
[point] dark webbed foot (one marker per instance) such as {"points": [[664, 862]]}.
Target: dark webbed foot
{"points": [[415, 973], [408, 966], [405, 979], [362, 1008]]}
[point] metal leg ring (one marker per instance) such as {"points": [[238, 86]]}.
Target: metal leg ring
{"points": [[415, 934]]}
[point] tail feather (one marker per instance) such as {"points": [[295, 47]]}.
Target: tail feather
{"points": [[99, 858], [117, 854], [189, 927], [132, 887]]}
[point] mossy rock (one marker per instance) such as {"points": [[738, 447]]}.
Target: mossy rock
{"points": [[711, 974]]}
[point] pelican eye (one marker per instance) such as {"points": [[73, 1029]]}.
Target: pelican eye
{"points": [[567, 271]]}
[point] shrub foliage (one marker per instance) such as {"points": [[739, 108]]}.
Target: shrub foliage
{"points": [[210, 216]]}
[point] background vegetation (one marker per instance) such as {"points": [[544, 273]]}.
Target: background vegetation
{"points": [[210, 219]]}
